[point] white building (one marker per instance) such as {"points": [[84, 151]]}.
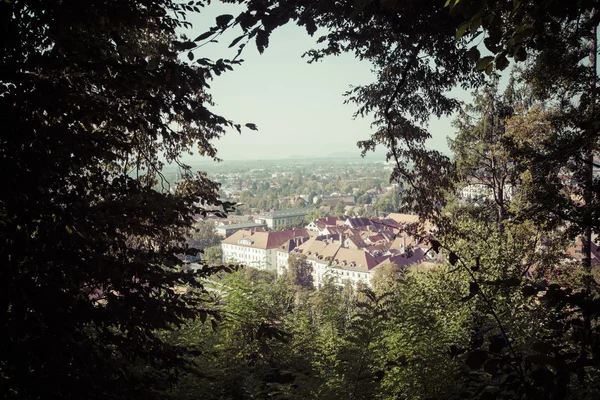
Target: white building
{"points": [[279, 218], [259, 249], [480, 190]]}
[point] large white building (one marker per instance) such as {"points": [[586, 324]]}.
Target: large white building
{"points": [[259, 249]]}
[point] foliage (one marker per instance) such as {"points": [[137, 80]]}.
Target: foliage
{"points": [[339, 210], [299, 271], [481, 156], [94, 96], [203, 235], [213, 255]]}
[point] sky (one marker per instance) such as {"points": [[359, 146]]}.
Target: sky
{"points": [[298, 107]]}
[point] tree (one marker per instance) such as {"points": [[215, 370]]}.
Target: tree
{"points": [[561, 41], [420, 50], [203, 235], [299, 271], [482, 157], [213, 255], [94, 96], [313, 215], [340, 209], [359, 212], [386, 278]]}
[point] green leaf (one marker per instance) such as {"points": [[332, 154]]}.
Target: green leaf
{"points": [[541, 347], [529, 291], [184, 45], [509, 282], [541, 359], [461, 30], [492, 366], [484, 62], [473, 53], [497, 343], [68, 229], [520, 54], [475, 24], [190, 56]]}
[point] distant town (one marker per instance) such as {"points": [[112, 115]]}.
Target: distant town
{"points": [[341, 215]]}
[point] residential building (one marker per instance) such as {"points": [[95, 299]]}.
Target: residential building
{"points": [[280, 218], [403, 218], [479, 190], [346, 265], [259, 249], [348, 200]]}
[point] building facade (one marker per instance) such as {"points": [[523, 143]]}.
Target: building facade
{"points": [[280, 218], [259, 249]]}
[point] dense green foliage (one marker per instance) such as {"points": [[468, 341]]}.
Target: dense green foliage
{"points": [[282, 341]]}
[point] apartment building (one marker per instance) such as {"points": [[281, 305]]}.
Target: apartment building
{"points": [[259, 249], [279, 218]]}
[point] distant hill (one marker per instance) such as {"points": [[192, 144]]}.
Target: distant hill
{"points": [[377, 155], [344, 154]]}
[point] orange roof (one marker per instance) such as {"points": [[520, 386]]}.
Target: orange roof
{"points": [[337, 256], [354, 260], [401, 260], [318, 249], [265, 240], [357, 241], [403, 218]]}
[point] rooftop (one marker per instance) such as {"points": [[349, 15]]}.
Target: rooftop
{"points": [[265, 240]]}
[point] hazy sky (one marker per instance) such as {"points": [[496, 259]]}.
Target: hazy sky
{"points": [[298, 107]]}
